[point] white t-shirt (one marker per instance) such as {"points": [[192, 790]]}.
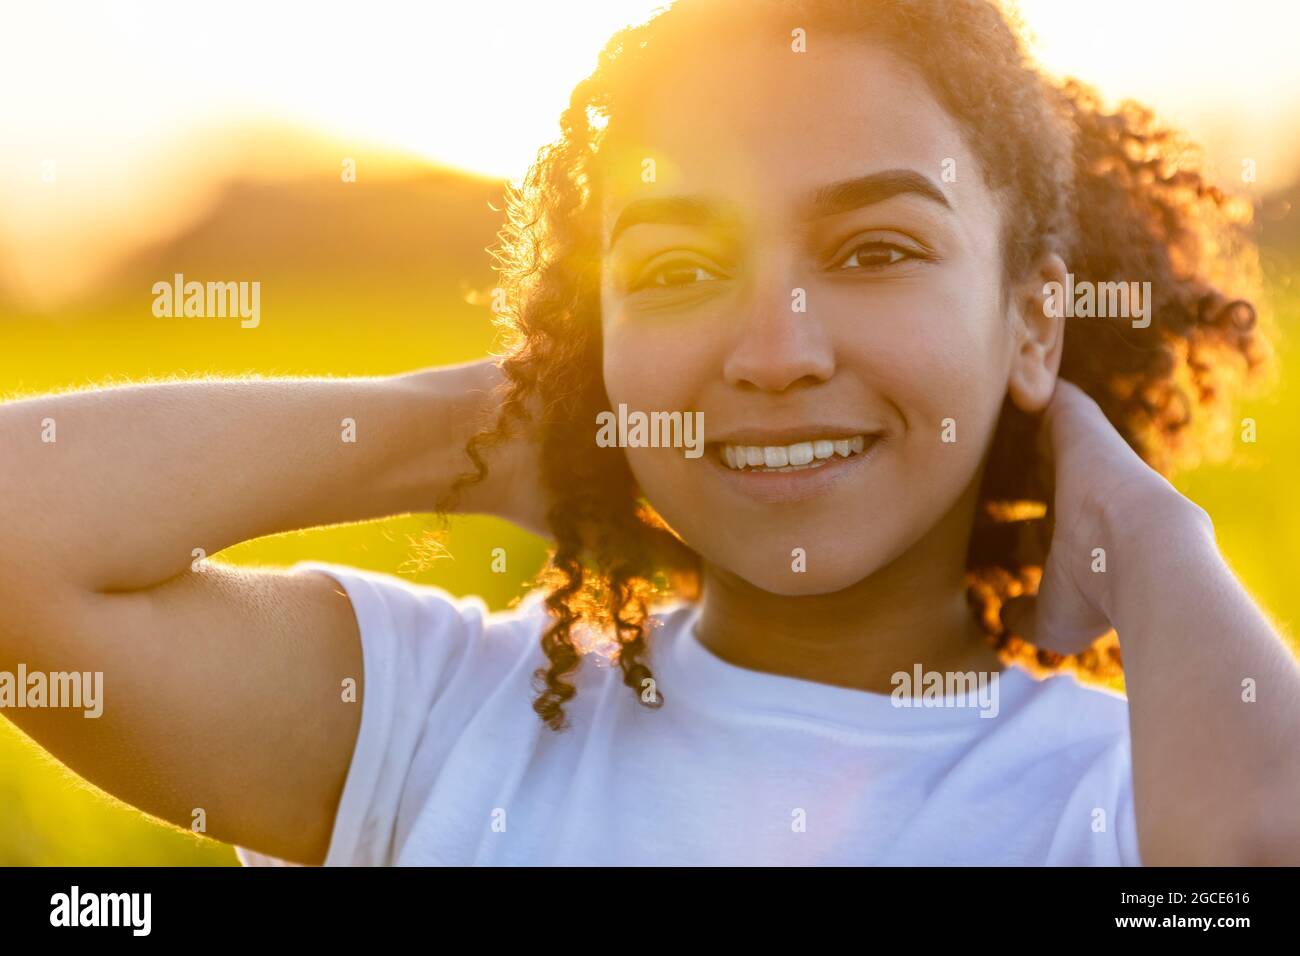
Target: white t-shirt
{"points": [[739, 767]]}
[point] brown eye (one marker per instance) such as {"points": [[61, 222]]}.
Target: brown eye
{"points": [[679, 274], [876, 255]]}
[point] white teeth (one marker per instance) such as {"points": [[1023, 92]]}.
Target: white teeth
{"points": [[805, 454], [801, 453]]}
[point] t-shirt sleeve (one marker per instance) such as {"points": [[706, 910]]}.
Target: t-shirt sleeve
{"points": [[413, 638]]}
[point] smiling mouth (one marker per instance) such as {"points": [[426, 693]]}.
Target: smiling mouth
{"points": [[798, 456]]}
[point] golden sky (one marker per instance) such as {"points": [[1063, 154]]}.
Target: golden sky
{"points": [[114, 94]]}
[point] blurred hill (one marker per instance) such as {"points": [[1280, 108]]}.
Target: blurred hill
{"points": [[421, 230], [334, 259]]}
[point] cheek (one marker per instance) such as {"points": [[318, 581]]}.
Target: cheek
{"points": [[653, 366], [937, 350], [656, 367]]}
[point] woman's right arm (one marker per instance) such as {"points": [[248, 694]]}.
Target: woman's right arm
{"points": [[222, 687]]}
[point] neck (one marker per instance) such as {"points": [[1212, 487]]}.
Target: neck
{"points": [[912, 611]]}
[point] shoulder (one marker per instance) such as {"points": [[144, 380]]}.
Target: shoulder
{"points": [[1071, 706], [1064, 747], [385, 599], [432, 663], [1061, 717], [427, 652], [389, 609]]}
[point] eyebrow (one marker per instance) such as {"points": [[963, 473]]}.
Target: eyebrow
{"points": [[831, 200], [877, 187]]}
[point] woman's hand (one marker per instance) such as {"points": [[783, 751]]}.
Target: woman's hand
{"points": [[1099, 485], [1213, 691]]}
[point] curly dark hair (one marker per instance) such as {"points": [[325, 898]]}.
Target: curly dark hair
{"points": [[1115, 194]]}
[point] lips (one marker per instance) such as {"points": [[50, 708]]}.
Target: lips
{"points": [[790, 483]]}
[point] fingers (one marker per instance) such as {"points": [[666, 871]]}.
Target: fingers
{"points": [[1065, 621], [1057, 619], [1024, 617], [1066, 396], [1069, 404]]}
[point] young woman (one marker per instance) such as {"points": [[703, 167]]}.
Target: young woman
{"points": [[840, 231]]}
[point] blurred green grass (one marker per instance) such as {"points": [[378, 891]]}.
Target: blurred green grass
{"points": [[370, 280], [1251, 498]]}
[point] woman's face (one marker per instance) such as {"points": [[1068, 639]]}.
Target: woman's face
{"points": [[804, 250]]}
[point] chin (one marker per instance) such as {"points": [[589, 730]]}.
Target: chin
{"points": [[827, 576]]}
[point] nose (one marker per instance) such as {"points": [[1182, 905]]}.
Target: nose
{"points": [[775, 346]]}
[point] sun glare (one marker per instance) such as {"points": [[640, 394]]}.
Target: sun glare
{"points": [[125, 104]]}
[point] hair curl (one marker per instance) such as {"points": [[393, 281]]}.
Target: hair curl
{"points": [[1114, 193]]}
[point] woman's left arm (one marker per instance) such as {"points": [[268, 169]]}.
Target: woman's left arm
{"points": [[1214, 692]]}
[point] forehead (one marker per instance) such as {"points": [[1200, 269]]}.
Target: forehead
{"points": [[755, 122]]}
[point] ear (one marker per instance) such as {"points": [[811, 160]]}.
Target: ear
{"points": [[1038, 324]]}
